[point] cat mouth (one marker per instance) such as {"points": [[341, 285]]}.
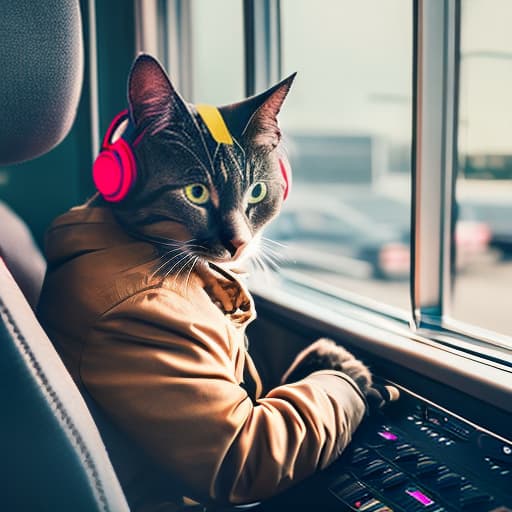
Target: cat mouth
{"points": [[219, 260], [228, 261]]}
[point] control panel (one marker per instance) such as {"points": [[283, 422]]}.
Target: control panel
{"points": [[415, 457]]}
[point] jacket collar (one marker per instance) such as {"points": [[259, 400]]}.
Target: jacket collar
{"points": [[94, 228]]}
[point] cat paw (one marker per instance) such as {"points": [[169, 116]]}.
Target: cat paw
{"points": [[227, 296], [325, 354]]}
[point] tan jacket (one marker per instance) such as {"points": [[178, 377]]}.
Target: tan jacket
{"points": [[169, 368]]}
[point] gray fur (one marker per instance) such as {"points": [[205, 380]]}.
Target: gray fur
{"points": [[176, 150]]}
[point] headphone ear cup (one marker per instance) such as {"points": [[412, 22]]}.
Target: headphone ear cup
{"points": [[287, 175], [114, 171]]}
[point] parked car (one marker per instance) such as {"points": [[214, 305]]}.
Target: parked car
{"points": [[472, 232], [322, 233], [498, 218], [361, 234]]}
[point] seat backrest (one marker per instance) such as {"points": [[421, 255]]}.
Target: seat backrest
{"points": [[52, 456], [21, 255]]}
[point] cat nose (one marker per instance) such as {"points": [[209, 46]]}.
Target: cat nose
{"points": [[236, 245]]}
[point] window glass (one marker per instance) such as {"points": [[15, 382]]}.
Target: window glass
{"points": [[348, 126], [217, 51], [484, 183]]}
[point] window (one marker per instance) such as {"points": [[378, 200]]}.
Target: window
{"points": [[348, 125], [217, 51], [484, 183]]}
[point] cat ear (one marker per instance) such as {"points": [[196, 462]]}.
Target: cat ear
{"points": [[151, 95], [263, 128], [256, 117]]}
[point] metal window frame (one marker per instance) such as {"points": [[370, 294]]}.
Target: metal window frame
{"points": [[93, 79], [179, 46], [435, 76], [262, 35], [163, 28]]}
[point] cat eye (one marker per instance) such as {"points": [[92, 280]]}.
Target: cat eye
{"points": [[257, 192], [197, 193]]}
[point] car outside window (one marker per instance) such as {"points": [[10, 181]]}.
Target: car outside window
{"points": [[348, 127]]}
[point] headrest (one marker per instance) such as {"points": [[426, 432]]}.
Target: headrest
{"points": [[41, 64]]}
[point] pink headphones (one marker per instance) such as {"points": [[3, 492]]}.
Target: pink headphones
{"points": [[114, 171], [287, 175]]}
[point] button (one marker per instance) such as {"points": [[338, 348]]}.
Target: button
{"points": [[468, 487], [394, 479], [374, 467], [426, 466], [351, 491], [419, 496], [470, 498], [447, 480], [374, 505], [402, 446], [358, 500], [388, 436], [368, 505], [360, 455], [403, 455]]}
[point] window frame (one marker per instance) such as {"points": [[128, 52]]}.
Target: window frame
{"points": [[164, 29]]}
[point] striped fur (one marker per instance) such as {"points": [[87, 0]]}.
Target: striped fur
{"points": [[177, 149]]}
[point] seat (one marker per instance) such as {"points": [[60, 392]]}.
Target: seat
{"points": [[21, 255], [53, 458]]}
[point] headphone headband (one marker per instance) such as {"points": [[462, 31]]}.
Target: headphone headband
{"points": [[287, 175], [115, 170]]}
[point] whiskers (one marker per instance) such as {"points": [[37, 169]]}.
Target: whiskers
{"points": [[269, 258], [177, 261]]}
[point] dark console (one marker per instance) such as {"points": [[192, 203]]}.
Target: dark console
{"points": [[416, 457]]}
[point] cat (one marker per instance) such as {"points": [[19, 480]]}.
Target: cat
{"points": [[141, 303], [245, 175]]}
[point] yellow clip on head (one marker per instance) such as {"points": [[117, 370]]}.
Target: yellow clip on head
{"points": [[213, 119]]}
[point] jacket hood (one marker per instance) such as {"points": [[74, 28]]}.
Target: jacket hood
{"points": [[86, 229]]}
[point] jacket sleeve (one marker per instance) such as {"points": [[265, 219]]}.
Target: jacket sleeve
{"points": [[170, 383]]}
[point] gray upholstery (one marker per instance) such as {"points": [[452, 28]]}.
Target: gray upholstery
{"points": [[41, 65], [52, 456], [21, 255]]}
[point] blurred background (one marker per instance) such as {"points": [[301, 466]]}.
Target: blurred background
{"points": [[348, 127]]}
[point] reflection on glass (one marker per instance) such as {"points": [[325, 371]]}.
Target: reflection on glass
{"points": [[217, 51], [348, 123], [484, 184]]}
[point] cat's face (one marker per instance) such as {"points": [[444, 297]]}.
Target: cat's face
{"points": [[215, 196]]}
